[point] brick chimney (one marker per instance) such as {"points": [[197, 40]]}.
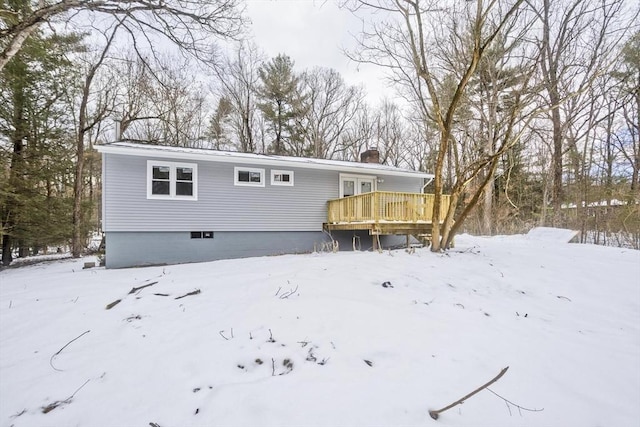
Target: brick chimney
{"points": [[372, 155]]}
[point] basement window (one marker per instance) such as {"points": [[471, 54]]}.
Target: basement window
{"points": [[250, 177], [202, 234], [282, 178], [169, 180]]}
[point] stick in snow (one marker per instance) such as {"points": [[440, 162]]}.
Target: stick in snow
{"points": [[196, 292], [65, 346], [134, 289], [113, 304], [435, 414], [51, 406]]}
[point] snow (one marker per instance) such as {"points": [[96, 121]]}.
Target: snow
{"points": [[552, 234], [565, 318]]}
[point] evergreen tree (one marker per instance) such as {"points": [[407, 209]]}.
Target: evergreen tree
{"points": [[35, 143], [281, 103]]}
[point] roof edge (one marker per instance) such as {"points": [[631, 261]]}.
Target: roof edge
{"points": [[136, 149]]}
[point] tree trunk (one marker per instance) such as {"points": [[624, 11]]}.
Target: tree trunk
{"points": [[77, 243], [437, 191]]}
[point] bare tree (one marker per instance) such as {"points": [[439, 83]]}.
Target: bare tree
{"points": [[238, 80], [402, 44], [627, 95], [94, 106], [357, 135], [576, 37], [330, 107], [189, 24], [389, 130]]}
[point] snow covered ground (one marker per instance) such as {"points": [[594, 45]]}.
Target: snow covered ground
{"points": [[317, 340]]}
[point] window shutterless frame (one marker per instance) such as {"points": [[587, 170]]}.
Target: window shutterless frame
{"points": [[250, 177], [172, 180], [279, 177]]}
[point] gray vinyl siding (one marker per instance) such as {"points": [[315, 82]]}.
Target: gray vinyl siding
{"points": [[132, 249], [401, 184], [221, 205]]}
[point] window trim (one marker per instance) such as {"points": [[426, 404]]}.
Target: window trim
{"points": [[356, 178], [237, 182], [275, 172], [173, 174]]}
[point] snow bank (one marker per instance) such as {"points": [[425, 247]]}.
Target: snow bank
{"points": [[552, 234]]}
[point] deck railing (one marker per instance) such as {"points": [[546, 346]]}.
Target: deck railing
{"points": [[385, 206]]}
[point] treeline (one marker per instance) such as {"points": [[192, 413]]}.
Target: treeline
{"points": [[527, 112]]}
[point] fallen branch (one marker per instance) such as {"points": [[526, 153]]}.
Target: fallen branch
{"points": [[435, 414], [51, 406], [134, 289], [65, 346], [222, 335], [289, 293], [196, 292], [17, 414], [113, 304]]}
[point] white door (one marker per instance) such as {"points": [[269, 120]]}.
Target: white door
{"points": [[354, 185]]}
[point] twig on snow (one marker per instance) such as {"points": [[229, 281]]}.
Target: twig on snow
{"points": [[196, 292], [222, 335], [563, 297], [508, 402], [435, 414], [51, 406], [113, 304], [17, 414], [65, 346], [134, 290], [287, 294]]}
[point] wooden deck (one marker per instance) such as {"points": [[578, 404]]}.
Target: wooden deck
{"points": [[385, 212]]}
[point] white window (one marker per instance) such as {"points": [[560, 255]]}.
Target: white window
{"points": [[248, 176], [169, 180], [281, 177]]}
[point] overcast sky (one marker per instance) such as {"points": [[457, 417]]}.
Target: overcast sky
{"points": [[313, 33]]}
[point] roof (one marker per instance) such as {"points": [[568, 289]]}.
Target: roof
{"points": [[162, 151]]}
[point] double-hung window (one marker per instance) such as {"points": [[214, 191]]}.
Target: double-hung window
{"points": [[171, 180]]}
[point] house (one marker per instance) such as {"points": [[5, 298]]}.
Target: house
{"points": [[168, 205]]}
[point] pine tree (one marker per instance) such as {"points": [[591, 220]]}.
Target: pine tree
{"points": [[35, 198], [281, 103]]}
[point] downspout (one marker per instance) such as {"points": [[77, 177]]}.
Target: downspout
{"points": [[425, 185]]}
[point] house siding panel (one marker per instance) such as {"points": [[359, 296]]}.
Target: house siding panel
{"points": [[401, 184], [221, 206]]}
